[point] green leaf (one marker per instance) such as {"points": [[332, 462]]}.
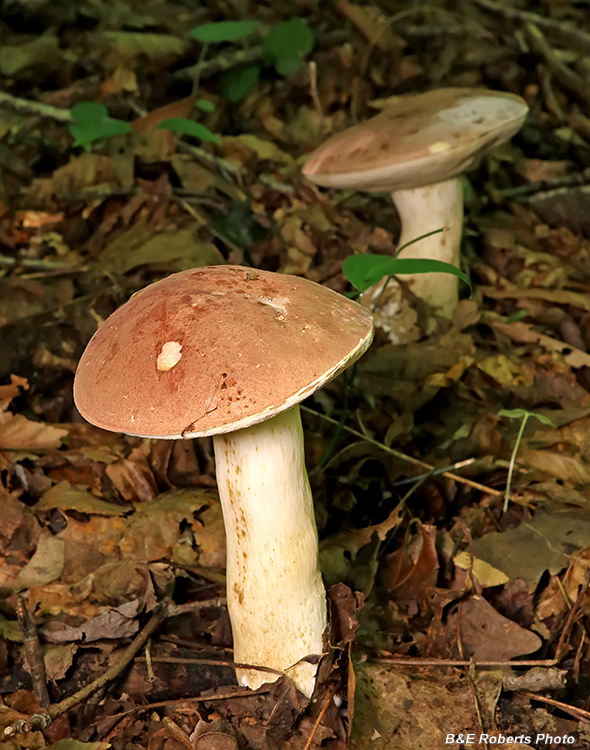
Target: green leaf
{"points": [[286, 66], [205, 105], [189, 127], [523, 413], [288, 41], [86, 113], [223, 31], [92, 123], [237, 83], [520, 315], [367, 269]]}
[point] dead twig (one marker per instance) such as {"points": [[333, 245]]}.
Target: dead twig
{"points": [[567, 35], [46, 266], [561, 72], [578, 713], [329, 698], [475, 697], [209, 663], [33, 653], [43, 719], [177, 732], [180, 609], [418, 662], [403, 456], [197, 699], [219, 63], [572, 613], [34, 108]]}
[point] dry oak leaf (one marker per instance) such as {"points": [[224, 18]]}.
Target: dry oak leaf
{"points": [[19, 433], [547, 542], [46, 565], [487, 635], [66, 497]]}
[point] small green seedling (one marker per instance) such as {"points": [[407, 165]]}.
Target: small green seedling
{"points": [[283, 47], [184, 126], [366, 270], [189, 127], [223, 31], [91, 123], [524, 415], [287, 43]]}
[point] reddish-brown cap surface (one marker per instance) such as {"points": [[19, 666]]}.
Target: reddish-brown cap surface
{"points": [[215, 349], [417, 140]]}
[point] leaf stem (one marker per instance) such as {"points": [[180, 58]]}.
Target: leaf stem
{"points": [[513, 460]]}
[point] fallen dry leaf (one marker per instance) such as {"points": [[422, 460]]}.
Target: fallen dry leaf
{"points": [[410, 569], [488, 636], [19, 433], [547, 542]]}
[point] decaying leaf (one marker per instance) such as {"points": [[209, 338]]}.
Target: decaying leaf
{"points": [[547, 542], [180, 249], [19, 433], [65, 497], [397, 709], [45, 566], [488, 636]]}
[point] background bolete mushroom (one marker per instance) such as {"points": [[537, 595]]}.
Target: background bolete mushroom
{"points": [[230, 352], [416, 148]]}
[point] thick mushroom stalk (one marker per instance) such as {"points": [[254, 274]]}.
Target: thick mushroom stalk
{"points": [[275, 594], [423, 210]]}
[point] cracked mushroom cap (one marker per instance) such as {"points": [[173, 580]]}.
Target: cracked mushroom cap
{"points": [[215, 349], [417, 140]]}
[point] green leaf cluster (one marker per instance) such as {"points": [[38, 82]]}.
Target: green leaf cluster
{"points": [[91, 123], [284, 47]]}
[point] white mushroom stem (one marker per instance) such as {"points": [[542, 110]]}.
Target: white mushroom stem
{"points": [[422, 210], [275, 594]]}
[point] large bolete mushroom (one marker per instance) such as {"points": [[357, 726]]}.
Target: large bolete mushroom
{"points": [[230, 352], [416, 148]]}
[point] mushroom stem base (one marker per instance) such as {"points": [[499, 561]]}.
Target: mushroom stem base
{"points": [[275, 594]]}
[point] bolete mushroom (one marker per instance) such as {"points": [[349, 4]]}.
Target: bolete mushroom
{"points": [[416, 148], [230, 352]]}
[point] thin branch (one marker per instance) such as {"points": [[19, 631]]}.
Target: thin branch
{"points": [[207, 68], [403, 456], [33, 653], [35, 108], [562, 73], [408, 661], [572, 613], [578, 713], [43, 719], [567, 34]]}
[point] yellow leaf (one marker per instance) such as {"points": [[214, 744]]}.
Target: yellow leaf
{"points": [[485, 573]]}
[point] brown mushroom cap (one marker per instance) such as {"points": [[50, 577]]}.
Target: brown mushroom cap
{"points": [[215, 349], [417, 140]]}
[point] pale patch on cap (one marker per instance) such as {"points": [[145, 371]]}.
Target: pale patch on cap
{"points": [[439, 147], [169, 356]]}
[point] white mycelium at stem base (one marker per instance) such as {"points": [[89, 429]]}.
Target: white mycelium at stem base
{"points": [[422, 210], [275, 594]]}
